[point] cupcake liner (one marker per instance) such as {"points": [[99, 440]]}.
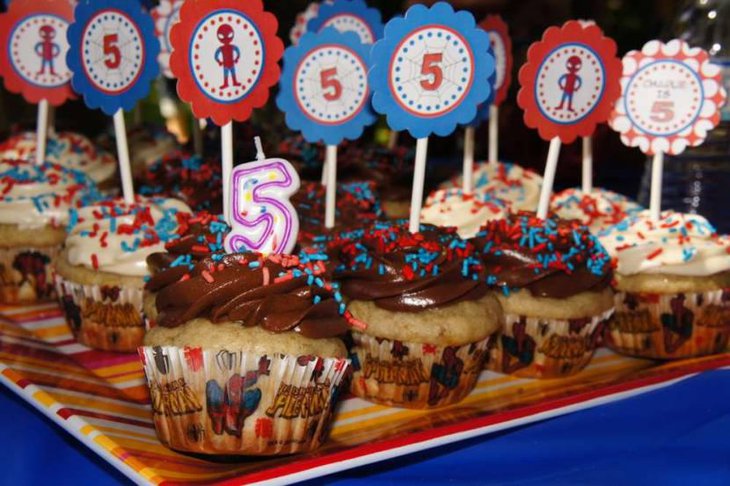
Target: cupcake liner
{"points": [[670, 326], [231, 402], [26, 274], [414, 375], [534, 347], [102, 317]]}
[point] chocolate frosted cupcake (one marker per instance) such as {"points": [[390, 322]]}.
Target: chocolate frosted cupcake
{"points": [[34, 205], [554, 278], [246, 357], [673, 286], [421, 313], [598, 210]]}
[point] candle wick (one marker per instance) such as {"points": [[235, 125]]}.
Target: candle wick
{"points": [[259, 148]]}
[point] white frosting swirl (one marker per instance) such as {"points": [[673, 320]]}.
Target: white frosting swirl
{"points": [[115, 237], [71, 150], [34, 196], [678, 244], [467, 213], [598, 210], [517, 186]]}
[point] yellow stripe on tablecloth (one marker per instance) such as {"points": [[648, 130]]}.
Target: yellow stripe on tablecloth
{"points": [[52, 366], [90, 402], [88, 429], [122, 432], [132, 366], [44, 398], [51, 332], [130, 377]]}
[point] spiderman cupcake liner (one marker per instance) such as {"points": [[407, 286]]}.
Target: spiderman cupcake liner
{"points": [[102, 317], [26, 276], [235, 403], [414, 375], [670, 326], [533, 347]]}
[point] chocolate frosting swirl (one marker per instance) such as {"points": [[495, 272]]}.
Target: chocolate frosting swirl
{"points": [[277, 293], [405, 272], [553, 258]]}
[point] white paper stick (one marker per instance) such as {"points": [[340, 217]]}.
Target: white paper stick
{"points": [[125, 170], [324, 171], [655, 198], [548, 178], [331, 195], [227, 162], [419, 176], [493, 133], [468, 171], [587, 165], [392, 139], [197, 137], [41, 132]]}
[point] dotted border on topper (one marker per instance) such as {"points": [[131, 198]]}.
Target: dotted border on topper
{"points": [[296, 119], [14, 83], [573, 31], [692, 135], [202, 106], [93, 97], [440, 14], [162, 15], [358, 8]]}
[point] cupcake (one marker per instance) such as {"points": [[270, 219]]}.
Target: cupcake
{"points": [[101, 271], [598, 210], [246, 357], [67, 149], [672, 286], [392, 172], [34, 205], [466, 212], [555, 291], [421, 314], [517, 186]]}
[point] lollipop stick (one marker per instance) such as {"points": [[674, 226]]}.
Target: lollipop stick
{"points": [[419, 175], [587, 165], [324, 171], [120, 133], [330, 202], [227, 162], [493, 133], [41, 132], [549, 178], [468, 177], [655, 198]]}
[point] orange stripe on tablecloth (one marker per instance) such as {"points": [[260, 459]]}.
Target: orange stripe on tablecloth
{"points": [[66, 412], [28, 357], [120, 369], [122, 431], [74, 385], [52, 332], [90, 402], [138, 375]]}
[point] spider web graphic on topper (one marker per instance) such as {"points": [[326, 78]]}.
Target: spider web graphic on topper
{"points": [[671, 98]]}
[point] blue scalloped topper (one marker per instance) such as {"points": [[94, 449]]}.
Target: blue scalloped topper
{"points": [[112, 54], [324, 86], [483, 108], [431, 70], [349, 16]]}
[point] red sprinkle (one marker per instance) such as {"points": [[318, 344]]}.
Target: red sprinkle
{"points": [[654, 254]]}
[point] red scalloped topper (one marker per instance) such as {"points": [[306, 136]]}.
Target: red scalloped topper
{"points": [[225, 56], [502, 49], [33, 52], [672, 95], [570, 81]]}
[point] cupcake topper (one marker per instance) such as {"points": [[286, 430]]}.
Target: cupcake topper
{"points": [[33, 61], [262, 218], [326, 96], [225, 55], [301, 21], [113, 56], [166, 14], [501, 45], [567, 87], [349, 16], [430, 72], [671, 97]]}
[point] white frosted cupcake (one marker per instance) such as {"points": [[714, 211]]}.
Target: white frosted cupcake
{"points": [[598, 210], [101, 271], [517, 186], [673, 286], [466, 212]]}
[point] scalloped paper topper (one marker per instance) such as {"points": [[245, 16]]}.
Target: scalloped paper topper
{"points": [[113, 53], [671, 97], [33, 56], [324, 87], [349, 16], [431, 70], [301, 21], [165, 15], [225, 56], [570, 81], [501, 44]]}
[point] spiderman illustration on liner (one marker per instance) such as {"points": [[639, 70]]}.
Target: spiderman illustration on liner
{"points": [[677, 325], [47, 49], [445, 375], [227, 55], [570, 82]]}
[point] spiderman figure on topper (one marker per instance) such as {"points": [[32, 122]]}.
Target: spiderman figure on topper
{"points": [[227, 55], [47, 49], [570, 82]]}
